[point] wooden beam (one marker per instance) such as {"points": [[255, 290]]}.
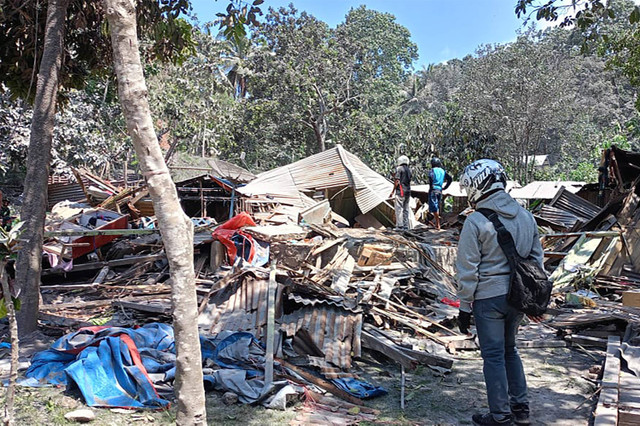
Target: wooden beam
{"points": [[101, 276], [588, 341], [595, 234], [421, 317], [110, 263], [97, 232], [388, 349], [322, 383], [143, 307], [271, 315], [410, 324], [606, 413]]}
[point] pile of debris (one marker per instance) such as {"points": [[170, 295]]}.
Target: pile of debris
{"points": [[594, 253], [306, 268], [299, 259]]}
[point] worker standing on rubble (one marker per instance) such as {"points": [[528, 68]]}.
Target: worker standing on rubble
{"points": [[483, 284], [402, 188], [439, 180]]}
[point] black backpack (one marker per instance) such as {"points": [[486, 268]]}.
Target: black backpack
{"points": [[530, 289]]}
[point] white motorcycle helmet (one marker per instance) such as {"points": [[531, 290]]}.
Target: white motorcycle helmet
{"points": [[481, 177], [403, 159]]}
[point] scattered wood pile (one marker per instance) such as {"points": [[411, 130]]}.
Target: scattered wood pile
{"points": [[328, 292], [594, 254]]}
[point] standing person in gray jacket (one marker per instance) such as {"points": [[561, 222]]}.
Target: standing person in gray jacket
{"points": [[483, 284]]}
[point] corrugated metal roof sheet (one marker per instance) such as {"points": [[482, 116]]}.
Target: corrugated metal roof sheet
{"points": [[333, 168], [333, 330], [61, 188], [557, 217], [184, 167], [545, 190], [330, 300], [455, 190], [574, 204], [242, 306]]}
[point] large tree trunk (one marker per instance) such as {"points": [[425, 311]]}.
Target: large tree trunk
{"points": [[29, 263], [175, 227]]}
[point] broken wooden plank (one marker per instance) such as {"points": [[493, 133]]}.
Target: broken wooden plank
{"points": [[152, 307], [277, 233], [611, 375], [395, 266], [110, 263], [596, 342], [75, 305], [322, 383], [96, 232], [327, 245], [60, 321], [421, 317], [606, 413], [541, 343], [410, 324], [101, 276], [429, 359], [388, 349], [342, 274], [379, 341]]}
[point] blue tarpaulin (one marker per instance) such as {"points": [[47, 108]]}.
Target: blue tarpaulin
{"points": [[112, 366], [106, 364]]}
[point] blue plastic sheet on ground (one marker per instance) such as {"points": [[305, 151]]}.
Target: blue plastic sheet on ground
{"points": [[112, 365], [106, 364], [359, 388]]}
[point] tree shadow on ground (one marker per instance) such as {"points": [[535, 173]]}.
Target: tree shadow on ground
{"points": [[558, 390]]}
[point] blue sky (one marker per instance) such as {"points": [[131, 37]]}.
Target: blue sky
{"points": [[442, 29]]}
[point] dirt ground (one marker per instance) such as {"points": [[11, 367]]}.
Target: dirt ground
{"points": [[559, 392]]}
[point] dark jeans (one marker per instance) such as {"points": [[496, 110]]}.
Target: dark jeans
{"points": [[497, 324]]}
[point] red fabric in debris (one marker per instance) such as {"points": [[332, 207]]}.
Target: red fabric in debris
{"points": [[454, 303], [226, 231], [238, 221]]}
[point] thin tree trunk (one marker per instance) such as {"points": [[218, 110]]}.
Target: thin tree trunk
{"points": [[9, 418], [34, 207], [317, 131], [175, 227]]}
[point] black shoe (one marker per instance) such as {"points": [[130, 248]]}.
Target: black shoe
{"points": [[489, 420], [520, 414]]}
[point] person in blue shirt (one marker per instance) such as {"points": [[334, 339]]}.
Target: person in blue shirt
{"points": [[439, 180]]}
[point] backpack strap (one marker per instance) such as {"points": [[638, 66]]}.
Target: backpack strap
{"points": [[505, 239]]}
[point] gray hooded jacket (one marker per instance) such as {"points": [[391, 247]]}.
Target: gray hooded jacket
{"points": [[483, 269]]}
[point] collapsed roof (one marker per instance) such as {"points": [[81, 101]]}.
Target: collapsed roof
{"points": [[333, 169], [545, 190]]}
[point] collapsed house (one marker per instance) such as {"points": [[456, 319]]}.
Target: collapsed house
{"points": [[281, 274]]}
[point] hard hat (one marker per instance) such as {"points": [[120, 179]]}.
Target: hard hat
{"points": [[481, 177], [435, 162], [403, 159]]}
